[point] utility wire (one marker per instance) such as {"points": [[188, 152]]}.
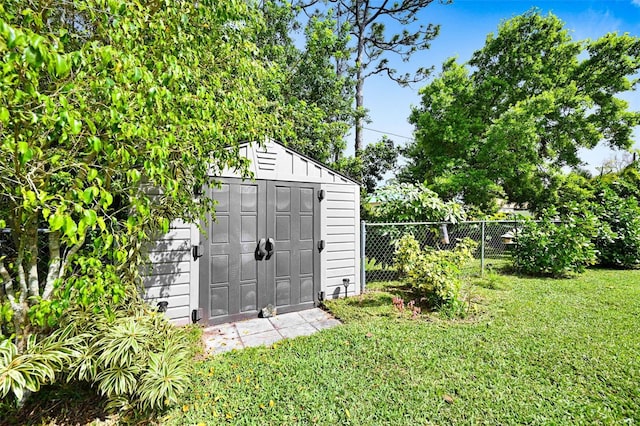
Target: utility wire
{"points": [[387, 133]]}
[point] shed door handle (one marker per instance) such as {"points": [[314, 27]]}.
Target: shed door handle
{"points": [[271, 247], [261, 252]]}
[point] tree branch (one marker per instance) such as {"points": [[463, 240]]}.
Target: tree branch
{"points": [[7, 284], [22, 279], [32, 262], [72, 251], [54, 264]]}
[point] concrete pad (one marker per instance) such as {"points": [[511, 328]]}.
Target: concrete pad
{"points": [[254, 326], [227, 330], [220, 340], [265, 331], [265, 338], [315, 314], [325, 323], [287, 320], [223, 345], [304, 329]]}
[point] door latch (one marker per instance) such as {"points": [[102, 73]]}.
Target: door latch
{"points": [[271, 247], [261, 250], [321, 245]]}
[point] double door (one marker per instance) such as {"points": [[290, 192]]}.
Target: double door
{"points": [[261, 249]]}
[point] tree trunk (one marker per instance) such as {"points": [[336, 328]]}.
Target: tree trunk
{"points": [[359, 113], [54, 263], [359, 82], [32, 263]]}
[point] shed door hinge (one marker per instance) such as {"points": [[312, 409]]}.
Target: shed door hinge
{"points": [[195, 251]]}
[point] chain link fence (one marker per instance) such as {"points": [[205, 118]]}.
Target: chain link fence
{"points": [[496, 241], [9, 251]]}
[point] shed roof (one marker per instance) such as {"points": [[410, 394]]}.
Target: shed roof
{"points": [[274, 161]]}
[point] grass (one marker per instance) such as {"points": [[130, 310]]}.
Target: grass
{"points": [[539, 351]]}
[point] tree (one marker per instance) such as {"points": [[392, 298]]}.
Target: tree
{"points": [[506, 124], [110, 113], [316, 102], [371, 45], [617, 162], [377, 159], [405, 202]]}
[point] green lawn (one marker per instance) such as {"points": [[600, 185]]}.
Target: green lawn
{"points": [[540, 351]]}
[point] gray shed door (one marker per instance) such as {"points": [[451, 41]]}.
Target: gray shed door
{"points": [[236, 279]]}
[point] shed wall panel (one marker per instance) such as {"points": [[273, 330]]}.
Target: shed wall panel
{"points": [[340, 246], [166, 280], [341, 221], [168, 276], [341, 233], [339, 255], [158, 292], [340, 196], [340, 272], [347, 230], [344, 205]]}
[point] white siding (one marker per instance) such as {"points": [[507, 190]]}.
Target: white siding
{"points": [[169, 276], [340, 214]]}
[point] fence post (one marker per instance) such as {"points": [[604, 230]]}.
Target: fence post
{"points": [[363, 262], [482, 238]]}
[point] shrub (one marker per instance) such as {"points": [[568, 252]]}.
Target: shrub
{"points": [[135, 357], [556, 249], [39, 364], [618, 239], [434, 274], [406, 254], [129, 352]]}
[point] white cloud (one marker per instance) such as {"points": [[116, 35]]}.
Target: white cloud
{"points": [[636, 2]]}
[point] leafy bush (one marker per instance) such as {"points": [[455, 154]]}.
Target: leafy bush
{"points": [[434, 274], [129, 352], [135, 357], [556, 249], [618, 239], [406, 254], [39, 364]]}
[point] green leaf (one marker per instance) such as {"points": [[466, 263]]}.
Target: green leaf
{"points": [[87, 195], [107, 199], [56, 222], [25, 151], [133, 175], [62, 65], [96, 144], [92, 174], [33, 56], [101, 224], [69, 227], [76, 126], [90, 217], [4, 115], [9, 34]]}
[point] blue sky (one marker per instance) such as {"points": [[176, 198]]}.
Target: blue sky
{"points": [[464, 27]]}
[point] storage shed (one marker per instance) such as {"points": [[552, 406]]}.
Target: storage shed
{"points": [[287, 238]]}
